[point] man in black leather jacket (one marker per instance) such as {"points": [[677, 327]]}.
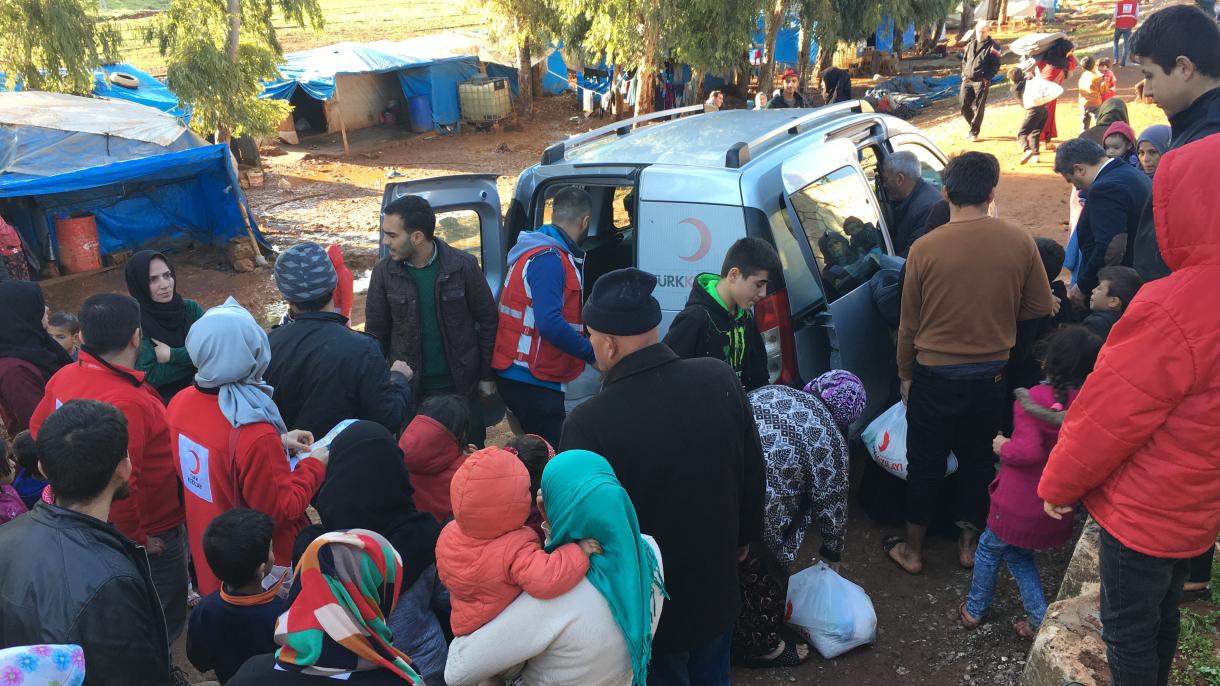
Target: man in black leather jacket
{"points": [[68, 576]]}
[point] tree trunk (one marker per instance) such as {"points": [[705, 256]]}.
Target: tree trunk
{"points": [[1003, 12], [525, 75], [766, 75], [802, 62], [694, 90], [826, 52], [234, 12], [967, 19], [645, 100]]}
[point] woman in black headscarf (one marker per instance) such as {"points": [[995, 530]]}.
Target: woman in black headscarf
{"points": [[367, 487], [28, 354], [165, 319]]}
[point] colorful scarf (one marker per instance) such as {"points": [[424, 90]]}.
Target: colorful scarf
{"points": [[42, 665], [346, 586], [585, 500], [843, 393]]}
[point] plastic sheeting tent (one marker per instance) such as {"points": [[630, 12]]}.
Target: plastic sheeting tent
{"points": [[788, 41], [353, 68], [147, 178], [150, 92]]}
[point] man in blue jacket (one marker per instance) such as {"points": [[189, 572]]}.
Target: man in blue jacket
{"points": [[1117, 193]]}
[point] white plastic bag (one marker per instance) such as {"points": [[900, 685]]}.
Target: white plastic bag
{"points": [[886, 440], [1040, 91], [832, 613]]}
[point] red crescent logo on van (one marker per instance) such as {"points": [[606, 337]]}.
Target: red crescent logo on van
{"points": [[705, 240]]}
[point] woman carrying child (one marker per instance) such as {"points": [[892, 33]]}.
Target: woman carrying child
{"points": [[1017, 524]]}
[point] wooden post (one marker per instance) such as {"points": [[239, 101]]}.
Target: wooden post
{"points": [[339, 107]]}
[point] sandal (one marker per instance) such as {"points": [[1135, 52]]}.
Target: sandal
{"points": [[1023, 629], [788, 657], [967, 621]]}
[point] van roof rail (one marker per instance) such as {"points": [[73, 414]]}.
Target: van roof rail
{"points": [[739, 153], [556, 152]]}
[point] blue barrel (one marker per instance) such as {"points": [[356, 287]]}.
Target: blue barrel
{"points": [[420, 112]]}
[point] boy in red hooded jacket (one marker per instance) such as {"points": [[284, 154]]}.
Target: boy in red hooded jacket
{"points": [[1138, 446]]}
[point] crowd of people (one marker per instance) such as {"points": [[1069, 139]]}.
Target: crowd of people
{"points": [[163, 460]]}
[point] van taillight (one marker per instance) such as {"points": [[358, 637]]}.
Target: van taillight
{"points": [[774, 322]]}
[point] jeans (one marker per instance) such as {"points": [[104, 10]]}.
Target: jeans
{"points": [[1139, 613], [169, 577], [540, 410], [974, 103], [1201, 567], [1125, 35], [705, 665], [1031, 128], [990, 553], [946, 415], [417, 631]]}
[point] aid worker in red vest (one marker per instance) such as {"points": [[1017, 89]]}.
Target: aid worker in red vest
{"points": [[1126, 14], [229, 441], [540, 341], [152, 515]]}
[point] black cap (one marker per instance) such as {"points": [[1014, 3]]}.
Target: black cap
{"points": [[622, 304]]}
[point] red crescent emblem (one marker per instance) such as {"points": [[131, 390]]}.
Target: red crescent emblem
{"points": [[198, 465], [885, 442], [705, 240]]}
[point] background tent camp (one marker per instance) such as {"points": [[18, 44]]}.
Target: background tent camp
{"points": [[548, 65], [348, 85], [146, 178]]}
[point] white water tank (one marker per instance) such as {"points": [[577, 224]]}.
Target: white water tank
{"points": [[484, 100]]}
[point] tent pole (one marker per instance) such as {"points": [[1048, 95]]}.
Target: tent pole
{"points": [[339, 107]]}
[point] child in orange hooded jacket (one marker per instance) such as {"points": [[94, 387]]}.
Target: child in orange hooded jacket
{"points": [[487, 556]]}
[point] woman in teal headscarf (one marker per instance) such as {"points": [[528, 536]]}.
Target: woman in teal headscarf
{"points": [[569, 639]]}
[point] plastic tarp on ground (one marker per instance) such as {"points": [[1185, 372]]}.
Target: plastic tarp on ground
{"points": [[150, 92], [171, 197], [917, 92], [44, 134], [429, 75]]}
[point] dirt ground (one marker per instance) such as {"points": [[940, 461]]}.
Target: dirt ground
{"points": [[311, 197]]}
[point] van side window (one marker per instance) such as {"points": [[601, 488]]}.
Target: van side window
{"points": [[930, 165], [803, 288], [610, 243], [840, 219]]}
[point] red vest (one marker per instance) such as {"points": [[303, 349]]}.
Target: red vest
{"points": [[516, 338], [1125, 14]]}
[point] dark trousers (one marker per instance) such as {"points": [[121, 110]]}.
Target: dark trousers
{"points": [[764, 594], [1139, 613], [169, 576], [705, 665], [540, 410], [1031, 128], [1201, 567], [974, 102], [946, 415]]}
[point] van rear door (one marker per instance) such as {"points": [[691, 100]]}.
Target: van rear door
{"points": [[829, 198], [467, 208]]}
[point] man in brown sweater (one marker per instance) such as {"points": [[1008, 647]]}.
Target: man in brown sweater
{"points": [[967, 284]]}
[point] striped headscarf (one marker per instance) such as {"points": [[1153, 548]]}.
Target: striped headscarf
{"points": [[346, 586]]}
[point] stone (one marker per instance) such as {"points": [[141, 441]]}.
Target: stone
{"points": [[1069, 645]]}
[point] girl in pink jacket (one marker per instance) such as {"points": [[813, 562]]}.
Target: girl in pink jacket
{"points": [[1016, 523]]}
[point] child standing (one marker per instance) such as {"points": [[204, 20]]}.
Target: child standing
{"points": [[11, 506], [718, 321], [64, 327], [1116, 288], [1016, 524], [433, 447], [237, 622], [29, 481], [1105, 68], [1035, 118], [1119, 143], [487, 556], [1091, 86]]}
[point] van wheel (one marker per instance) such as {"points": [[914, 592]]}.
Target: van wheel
{"points": [[124, 80]]}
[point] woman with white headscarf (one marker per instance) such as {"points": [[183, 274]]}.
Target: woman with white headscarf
{"points": [[230, 444]]}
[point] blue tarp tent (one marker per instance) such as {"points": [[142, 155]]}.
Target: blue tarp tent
{"points": [[150, 92], [788, 41], [317, 73], [148, 181]]}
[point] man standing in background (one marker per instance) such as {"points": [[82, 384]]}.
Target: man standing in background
{"points": [[980, 62]]}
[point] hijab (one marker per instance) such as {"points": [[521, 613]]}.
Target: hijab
{"points": [[345, 587], [1158, 136], [231, 353], [367, 487], [843, 394], [585, 500], [1112, 110], [22, 334], [165, 322]]}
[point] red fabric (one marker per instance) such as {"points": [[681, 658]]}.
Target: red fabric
{"points": [[154, 506], [486, 557], [1053, 73], [1126, 14], [546, 362], [256, 476], [1123, 129], [1016, 514], [1111, 85], [345, 288], [1139, 446], [432, 455], [21, 385]]}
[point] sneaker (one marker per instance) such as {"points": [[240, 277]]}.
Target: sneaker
{"points": [[1034, 159], [972, 136], [1026, 157]]}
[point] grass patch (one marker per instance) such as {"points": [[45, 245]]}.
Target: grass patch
{"points": [[1198, 658]]}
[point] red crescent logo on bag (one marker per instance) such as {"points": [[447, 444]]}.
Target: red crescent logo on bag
{"points": [[885, 442], [705, 240]]}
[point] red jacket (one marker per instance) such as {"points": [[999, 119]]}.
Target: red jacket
{"points": [[1126, 14], [486, 557], [21, 385], [154, 506], [345, 286], [223, 468], [1139, 445], [432, 455]]}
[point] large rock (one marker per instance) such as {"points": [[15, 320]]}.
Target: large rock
{"points": [[1083, 569], [1069, 646]]}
